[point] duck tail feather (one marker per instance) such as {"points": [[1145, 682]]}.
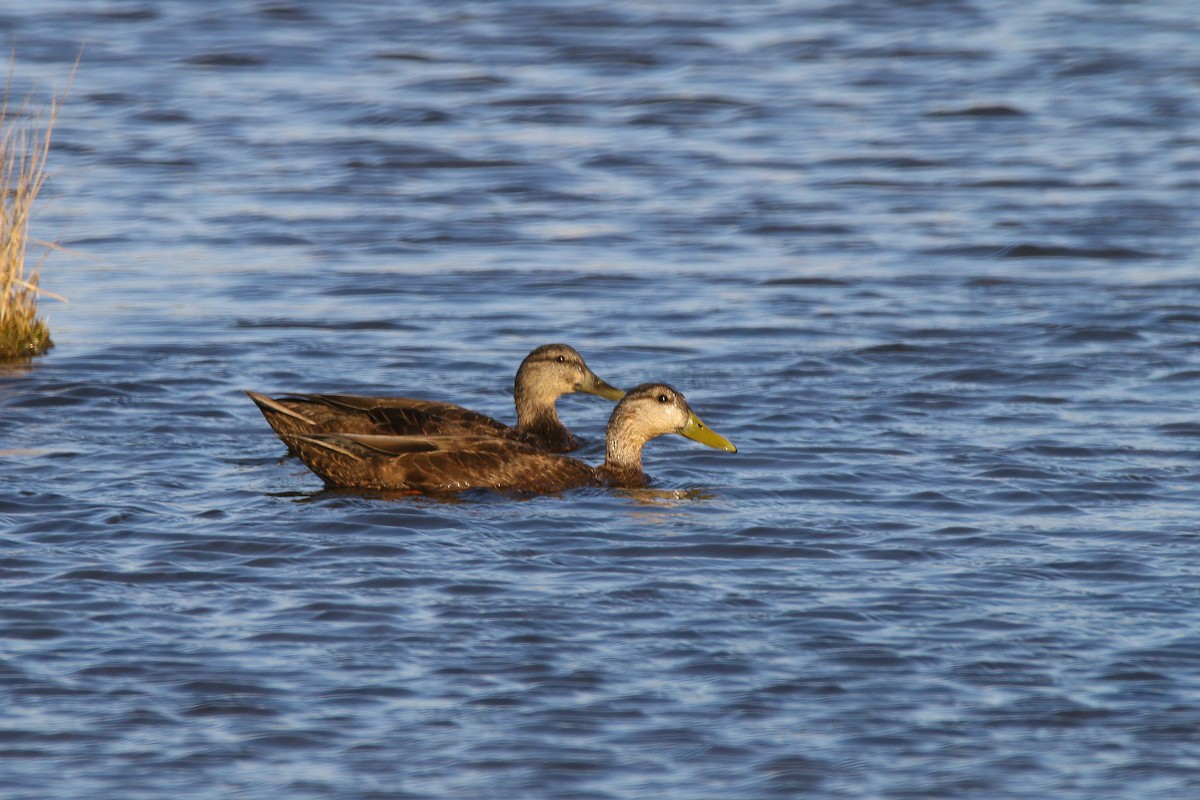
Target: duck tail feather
{"points": [[268, 404]]}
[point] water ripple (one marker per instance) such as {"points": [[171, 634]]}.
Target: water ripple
{"points": [[929, 266]]}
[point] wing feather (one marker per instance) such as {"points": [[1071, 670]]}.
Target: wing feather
{"points": [[438, 464], [298, 414]]}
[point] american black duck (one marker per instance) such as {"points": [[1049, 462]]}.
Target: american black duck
{"points": [[442, 464], [546, 374]]}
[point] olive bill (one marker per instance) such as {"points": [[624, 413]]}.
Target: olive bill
{"points": [[592, 384], [697, 431]]}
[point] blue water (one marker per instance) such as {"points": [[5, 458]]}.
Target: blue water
{"points": [[931, 266]]}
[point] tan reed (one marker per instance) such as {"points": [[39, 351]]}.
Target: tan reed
{"points": [[24, 146]]}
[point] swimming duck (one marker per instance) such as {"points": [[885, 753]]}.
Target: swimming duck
{"points": [[441, 464], [547, 373]]}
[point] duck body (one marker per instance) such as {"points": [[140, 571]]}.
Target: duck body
{"points": [[297, 414], [442, 464], [439, 464], [546, 374]]}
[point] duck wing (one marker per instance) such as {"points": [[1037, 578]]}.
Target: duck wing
{"points": [[427, 418], [438, 464], [297, 414]]}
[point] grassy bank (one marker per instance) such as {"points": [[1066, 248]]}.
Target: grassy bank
{"points": [[24, 145]]}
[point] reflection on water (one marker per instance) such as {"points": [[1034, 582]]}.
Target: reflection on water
{"points": [[15, 369], [664, 498]]}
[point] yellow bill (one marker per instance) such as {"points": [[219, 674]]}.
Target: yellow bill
{"points": [[697, 431]]}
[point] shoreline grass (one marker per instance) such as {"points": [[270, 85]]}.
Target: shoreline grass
{"points": [[24, 146]]}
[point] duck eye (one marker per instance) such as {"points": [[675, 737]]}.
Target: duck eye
{"points": [[561, 359], [662, 398]]}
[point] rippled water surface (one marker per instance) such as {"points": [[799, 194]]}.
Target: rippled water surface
{"points": [[931, 266]]}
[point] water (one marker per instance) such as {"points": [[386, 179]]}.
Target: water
{"points": [[931, 266]]}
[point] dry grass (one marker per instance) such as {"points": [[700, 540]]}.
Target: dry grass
{"points": [[24, 145]]}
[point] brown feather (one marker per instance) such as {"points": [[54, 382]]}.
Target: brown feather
{"points": [[442, 464], [439, 464], [548, 372], [384, 416]]}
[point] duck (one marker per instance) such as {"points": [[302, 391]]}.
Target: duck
{"points": [[446, 464], [546, 374]]}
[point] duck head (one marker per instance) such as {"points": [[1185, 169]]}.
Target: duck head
{"points": [[551, 371], [650, 410]]}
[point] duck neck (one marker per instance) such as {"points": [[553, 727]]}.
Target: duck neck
{"points": [[536, 414], [623, 454]]}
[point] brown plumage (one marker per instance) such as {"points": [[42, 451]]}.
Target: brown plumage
{"points": [[546, 374], [440, 464]]}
